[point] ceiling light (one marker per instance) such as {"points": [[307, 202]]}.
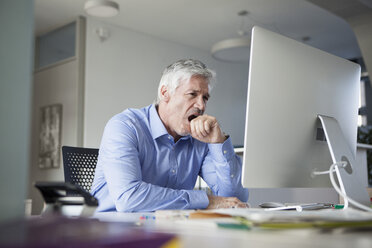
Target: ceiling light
{"points": [[235, 49], [232, 50], [101, 8]]}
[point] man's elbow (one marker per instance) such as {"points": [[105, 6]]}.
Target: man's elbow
{"points": [[128, 201], [124, 207]]}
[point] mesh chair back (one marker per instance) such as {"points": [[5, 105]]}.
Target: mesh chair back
{"points": [[79, 165]]}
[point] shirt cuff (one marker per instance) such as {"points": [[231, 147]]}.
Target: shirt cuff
{"points": [[198, 199], [222, 152]]}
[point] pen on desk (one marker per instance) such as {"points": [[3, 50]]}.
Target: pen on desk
{"points": [[317, 206], [147, 217], [300, 207], [297, 207]]}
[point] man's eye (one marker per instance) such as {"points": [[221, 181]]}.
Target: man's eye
{"points": [[192, 94], [206, 99]]}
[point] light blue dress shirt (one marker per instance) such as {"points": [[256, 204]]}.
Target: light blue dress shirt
{"points": [[140, 168]]}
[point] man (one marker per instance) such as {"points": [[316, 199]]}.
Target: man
{"points": [[150, 158]]}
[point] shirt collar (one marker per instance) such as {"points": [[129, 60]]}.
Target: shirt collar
{"points": [[156, 125]]}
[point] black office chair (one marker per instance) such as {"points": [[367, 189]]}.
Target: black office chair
{"points": [[79, 165]]}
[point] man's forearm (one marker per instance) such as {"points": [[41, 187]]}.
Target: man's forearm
{"points": [[222, 171], [141, 196]]}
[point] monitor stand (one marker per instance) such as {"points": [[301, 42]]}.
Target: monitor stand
{"points": [[347, 177]]}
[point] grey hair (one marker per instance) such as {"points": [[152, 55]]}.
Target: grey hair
{"points": [[181, 71]]}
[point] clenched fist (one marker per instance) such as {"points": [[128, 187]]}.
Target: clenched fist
{"points": [[206, 129]]}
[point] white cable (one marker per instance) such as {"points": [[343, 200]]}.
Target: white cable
{"points": [[331, 170], [338, 190], [317, 173]]}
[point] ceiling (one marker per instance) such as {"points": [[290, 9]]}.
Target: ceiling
{"points": [[201, 23]]}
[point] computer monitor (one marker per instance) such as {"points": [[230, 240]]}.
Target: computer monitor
{"points": [[289, 85]]}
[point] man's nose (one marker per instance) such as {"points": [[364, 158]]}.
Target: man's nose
{"points": [[200, 104]]}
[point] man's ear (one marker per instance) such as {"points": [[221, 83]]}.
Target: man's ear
{"points": [[165, 93]]}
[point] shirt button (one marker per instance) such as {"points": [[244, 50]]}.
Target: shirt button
{"points": [[169, 137], [174, 171], [232, 176], [224, 152]]}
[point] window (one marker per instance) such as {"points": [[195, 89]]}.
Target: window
{"points": [[56, 45]]}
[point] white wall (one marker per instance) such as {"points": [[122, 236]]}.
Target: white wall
{"points": [[124, 72], [16, 53], [55, 85]]}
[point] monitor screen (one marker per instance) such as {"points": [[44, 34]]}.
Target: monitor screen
{"points": [[290, 84]]}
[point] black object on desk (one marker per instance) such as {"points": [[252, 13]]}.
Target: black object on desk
{"points": [[58, 196]]}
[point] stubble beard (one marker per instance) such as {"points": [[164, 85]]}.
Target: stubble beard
{"points": [[184, 130]]}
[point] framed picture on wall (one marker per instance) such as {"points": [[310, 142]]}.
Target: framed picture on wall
{"points": [[50, 136]]}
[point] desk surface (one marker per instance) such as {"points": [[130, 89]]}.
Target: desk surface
{"points": [[205, 233]]}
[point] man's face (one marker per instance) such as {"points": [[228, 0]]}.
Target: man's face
{"points": [[187, 102]]}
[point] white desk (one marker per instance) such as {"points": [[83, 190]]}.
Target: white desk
{"points": [[201, 233]]}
